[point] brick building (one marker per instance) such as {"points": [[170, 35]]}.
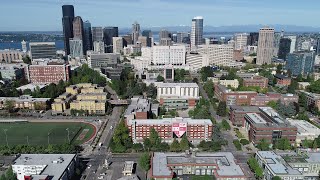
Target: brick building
{"points": [[48, 73], [196, 130], [233, 97], [259, 81], [237, 113], [26, 102], [264, 99], [282, 80], [268, 125]]}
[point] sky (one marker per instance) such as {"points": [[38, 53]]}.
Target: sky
{"points": [[45, 15]]}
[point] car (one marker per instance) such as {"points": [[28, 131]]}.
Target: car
{"points": [[100, 177], [111, 127], [102, 174], [89, 166]]}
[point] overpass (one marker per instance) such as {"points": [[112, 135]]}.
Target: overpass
{"points": [[118, 102]]}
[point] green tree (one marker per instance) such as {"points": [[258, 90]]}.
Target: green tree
{"points": [[283, 144], [206, 72], [254, 165], [222, 108], [175, 146], [209, 88], [276, 178], [26, 60], [279, 69], [160, 78], [121, 141], [147, 144], [184, 143], [3, 177], [144, 162], [9, 105], [272, 104], [10, 175], [263, 145], [225, 125], [244, 142]]}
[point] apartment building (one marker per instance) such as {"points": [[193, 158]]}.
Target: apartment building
{"points": [[48, 73], [259, 81], [220, 55], [196, 130], [165, 55], [25, 102], [178, 95], [282, 80]]}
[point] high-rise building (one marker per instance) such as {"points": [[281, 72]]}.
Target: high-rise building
{"points": [[67, 24], [109, 33], [277, 37], [253, 39], [182, 36], [97, 34], [164, 38], [78, 28], [135, 32], [87, 36], [240, 41], [163, 34], [221, 55], [143, 41], [300, 63], [117, 44], [127, 40], [42, 50], [165, 42], [24, 46], [284, 48], [265, 46], [78, 35], [76, 48], [196, 32], [147, 33], [293, 43], [98, 46], [168, 55]]}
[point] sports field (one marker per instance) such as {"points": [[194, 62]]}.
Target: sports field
{"points": [[42, 133]]}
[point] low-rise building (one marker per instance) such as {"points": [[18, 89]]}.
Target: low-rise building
{"points": [[178, 95], [237, 113], [196, 130], [303, 85], [306, 130], [313, 99], [282, 80], [31, 87], [62, 103], [232, 83], [101, 60], [291, 166], [259, 81], [221, 165], [269, 125], [12, 71], [138, 109], [48, 73], [9, 55], [264, 99], [128, 168], [25, 102], [45, 166]]}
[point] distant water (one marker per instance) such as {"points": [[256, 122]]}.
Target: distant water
{"points": [[17, 45]]}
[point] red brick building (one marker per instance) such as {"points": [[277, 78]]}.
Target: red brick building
{"points": [[45, 74], [237, 113], [270, 126], [282, 80], [196, 130], [264, 99], [259, 81]]}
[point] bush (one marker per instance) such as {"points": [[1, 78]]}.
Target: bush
{"points": [[244, 142], [237, 144]]}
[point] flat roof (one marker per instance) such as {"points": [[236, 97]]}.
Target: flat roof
{"points": [[56, 164], [138, 104], [304, 127], [31, 86], [224, 160], [178, 84], [272, 114], [169, 121], [237, 108], [256, 118]]}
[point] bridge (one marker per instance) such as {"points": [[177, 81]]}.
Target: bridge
{"points": [[118, 102]]}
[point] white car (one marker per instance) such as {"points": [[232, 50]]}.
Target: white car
{"points": [[89, 166], [102, 174], [111, 127], [100, 177]]}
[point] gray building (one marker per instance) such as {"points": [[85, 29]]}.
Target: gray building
{"points": [[300, 63], [109, 33], [103, 60], [135, 32], [67, 25], [196, 31], [76, 48], [11, 71], [43, 50], [97, 34], [87, 36], [265, 46]]}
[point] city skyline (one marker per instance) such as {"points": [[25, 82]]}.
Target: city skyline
{"points": [[30, 14]]}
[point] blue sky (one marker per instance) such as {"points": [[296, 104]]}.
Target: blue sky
{"points": [[20, 15]]}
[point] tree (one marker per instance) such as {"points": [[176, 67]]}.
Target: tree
{"points": [[10, 175], [175, 146], [263, 145], [209, 88], [3, 177], [121, 141], [206, 72], [147, 144], [272, 104], [160, 78], [279, 69], [9, 105], [144, 162], [184, 143], [276, 178], [254, 165], [222, 108], [244, 142], [26, 60], [283, 144], [302, 100], [152, 91], [225, 125]]}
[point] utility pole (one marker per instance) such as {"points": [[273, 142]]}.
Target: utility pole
{"points": [[5, 132]]}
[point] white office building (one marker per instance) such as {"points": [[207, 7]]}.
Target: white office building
{"points": [[240, 40], [98, 46], [165, 55], [117, 44], [221, 55], [293, 43], [196, 61], [306, 130], [76, 48], [98, 60]]}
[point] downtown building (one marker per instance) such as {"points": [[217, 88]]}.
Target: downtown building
{"points": [[240, 41], [67, 25], [300, 63], [9, 56], [108, 34], [165, 55], [265, 46], [178, 95], [43, 50], [135, 32], [196, 130], [196, 37], [219, 55], [101, 60]]}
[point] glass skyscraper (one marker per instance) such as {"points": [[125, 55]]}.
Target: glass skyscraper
{"points": [[196, 31], [109, 33], [67, 24], [87, 36], [300, 63]]}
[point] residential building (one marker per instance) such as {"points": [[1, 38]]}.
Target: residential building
{"points": [[293, 43], [284, 48], [97, 34], [139, 108], [232, 83], [168, 129], [265, 46], [268, 125], [62, 103], [306, 130], [76, 48], [221, 165], [300, 63], [98, 46], [12, 71], [233, 97], [25, 102], [98, 60], [117, 45], [219, 55], [259, 81], [108, 34], [312, 99], [45, 166], [196, 60], [282, 80], [24, 46], [9, 56], [253, 39], [240, 41], [43, 50], [48, 73], [165, 55], [178, 95], [303, 85], [87, 36], [135, 32], [291, 166], [196, 32], [67, 25]]}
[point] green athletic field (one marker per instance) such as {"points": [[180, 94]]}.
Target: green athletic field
{"points": [[40, 133]]}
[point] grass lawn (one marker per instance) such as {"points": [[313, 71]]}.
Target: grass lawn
{"points": [[204, 177], [37, 133]]}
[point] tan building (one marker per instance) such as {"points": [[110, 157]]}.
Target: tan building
{"points": [[233, 83], [90, 106], [265, 45], [62, 103], [8, 56], [25, 102]]}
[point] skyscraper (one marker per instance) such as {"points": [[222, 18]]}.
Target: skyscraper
{"points": [[253, 39], [78, 35], [135, 32], [147, 33], [265, 46], [87, 36], [318, 46], [76, 48], [108, 34], [284, 48], [67, 23], [97, 34], [241, 40], [300, 63], [276, 43], [181, 36], [293, 43], [196, 32]]}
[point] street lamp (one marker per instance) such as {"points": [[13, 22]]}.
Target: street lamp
{"points": [[68, 134], [5, 132]]}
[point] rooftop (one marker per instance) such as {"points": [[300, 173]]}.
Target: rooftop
{"points": [[169, 121], [245, 108], [177, 84], [256, 118], [138, 104], [304, 127], [55, 164]]}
